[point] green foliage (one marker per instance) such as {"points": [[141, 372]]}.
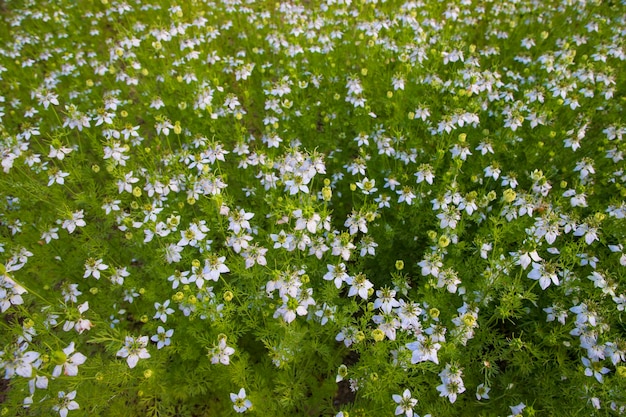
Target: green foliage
{"points": [[331, 208]]}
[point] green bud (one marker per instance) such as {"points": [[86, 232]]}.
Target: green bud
{"points": [[58, 357], [378, 336]]}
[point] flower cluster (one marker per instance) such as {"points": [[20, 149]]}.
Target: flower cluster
{"points": [[257, 194]]}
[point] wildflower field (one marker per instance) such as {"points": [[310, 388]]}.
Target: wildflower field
{"points": [[312, 208]]}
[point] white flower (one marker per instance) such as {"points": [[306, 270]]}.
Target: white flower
{"points": [[38, 382], [348, 335], [585, 167], [162, 338], [337, 274], [451, 383], [177, 278], [221, 353], [119, 275], [525, 258], [76, 221], [254, 255], [81, 324], [93, 268], [367, 186], [10, 293], [309, 223], [293, 307], [406, 195], [405, 403], [214, 266], [172, 253], [283, 240], [70, 364], [240, 403], [60, 153], [590, 233], [127, 183], [239, 242], [545, 274], [594, 368], [517, 409], [66, 403], [162, 311], [57, 176], [425, 173], [356, 222], [359, 285], [424, 349], [50, 234], [18, 362], [482, 392], [327, 313], [386, 300], [239, 221], [134, 349]]}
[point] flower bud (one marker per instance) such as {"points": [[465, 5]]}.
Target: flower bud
{"points": [[469, 320], [399, 265], [327, 193], [58, 357], [342, 372], [378, 335], [509, 195]]}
